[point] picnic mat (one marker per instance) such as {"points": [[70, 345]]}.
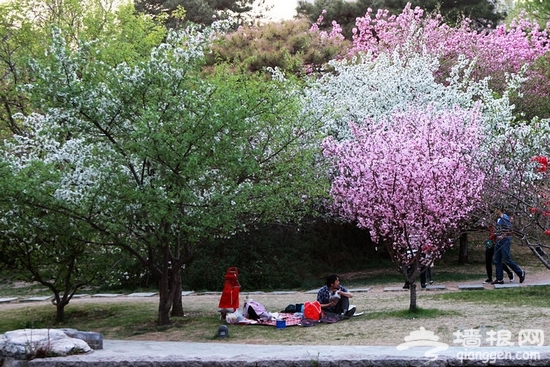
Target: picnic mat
{"points": [[289, 318]]}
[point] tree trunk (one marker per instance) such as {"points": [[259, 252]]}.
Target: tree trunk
{"points": [[177, 303], [60, 312], [165, 299], [412, 291], [411, 272], [463, 249], [170, 299], [59, 302]]}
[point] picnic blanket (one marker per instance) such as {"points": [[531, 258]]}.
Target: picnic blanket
{"points": [[290, 319], [254, 313]]}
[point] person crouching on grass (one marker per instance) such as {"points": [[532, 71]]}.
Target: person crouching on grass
{"points": [[334, 298]]}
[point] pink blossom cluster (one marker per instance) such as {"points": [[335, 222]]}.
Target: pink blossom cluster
{"points": [[335, 33], [505, 49], [411, 174]]}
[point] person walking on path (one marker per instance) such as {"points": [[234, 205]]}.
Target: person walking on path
{"points": [[489, 254], [502, 248], [334, 298]]}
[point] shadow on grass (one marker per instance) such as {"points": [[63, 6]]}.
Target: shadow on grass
{"points": [[419, 313]]}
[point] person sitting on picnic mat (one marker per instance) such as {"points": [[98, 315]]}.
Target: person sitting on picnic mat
{"points": [[334, 298]]}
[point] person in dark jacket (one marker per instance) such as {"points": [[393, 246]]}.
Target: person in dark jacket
{"points": [[334, 298], [504, 232], [489, 254]]}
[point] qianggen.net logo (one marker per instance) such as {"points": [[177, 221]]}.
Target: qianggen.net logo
{"points": [[471, 341]]}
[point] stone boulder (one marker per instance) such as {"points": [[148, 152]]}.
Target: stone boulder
{"points": [[26, 344]]}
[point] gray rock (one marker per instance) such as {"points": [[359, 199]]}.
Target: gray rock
{"points": [[93, 339], [26, 344]]}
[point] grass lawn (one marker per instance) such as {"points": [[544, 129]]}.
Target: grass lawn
{"points": [[386, 319]]}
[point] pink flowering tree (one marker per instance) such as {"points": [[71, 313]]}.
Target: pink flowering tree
{"points": [[495, 53], [412, 180], [391, 74]]}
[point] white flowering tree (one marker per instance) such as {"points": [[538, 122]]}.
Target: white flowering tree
{"points": [[25, 30], [166, 159], [45, 239], [43, 236]]}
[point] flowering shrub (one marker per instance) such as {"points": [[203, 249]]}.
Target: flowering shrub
{"points": [[506, 49]]}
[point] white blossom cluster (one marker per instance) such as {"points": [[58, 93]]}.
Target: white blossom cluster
{"points": [[374, 88], [74, 160]]}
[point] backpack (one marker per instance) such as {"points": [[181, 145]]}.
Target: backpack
{"points": [[255, 311], [312, 310]]}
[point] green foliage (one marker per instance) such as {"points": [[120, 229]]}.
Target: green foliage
{"points": [[166, 160], [123, 36], [177, 14], [540, 9], [25, 29], [288, 45], [42, 242]]}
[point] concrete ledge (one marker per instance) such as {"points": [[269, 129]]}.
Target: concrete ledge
{"points": [[93, 339], [118, 353], [36, 299], [470, 286], [252, 293], [435, 287], [356, 290], [8, 299], [151, 294], [359, 290], [106, 295]]}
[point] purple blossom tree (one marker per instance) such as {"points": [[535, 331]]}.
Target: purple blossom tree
{"points": [[412, 180]]}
